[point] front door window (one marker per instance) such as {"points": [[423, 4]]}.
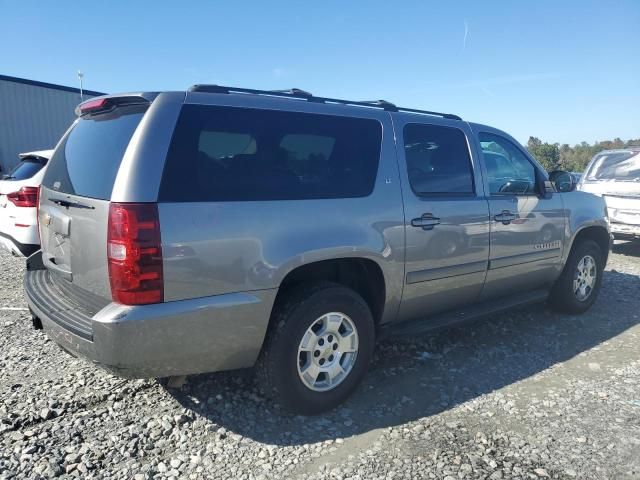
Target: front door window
{"points": [[509, 171]]}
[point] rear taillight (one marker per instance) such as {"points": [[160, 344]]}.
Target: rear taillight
{"points": [[134, 253], [25, 197]]}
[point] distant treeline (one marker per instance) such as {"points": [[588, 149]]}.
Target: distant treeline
{"points": [[555, 156]]}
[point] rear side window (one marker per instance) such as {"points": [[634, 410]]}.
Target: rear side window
{"points": [[25, 169], [87, 161], [222, 154], [438, 160]]}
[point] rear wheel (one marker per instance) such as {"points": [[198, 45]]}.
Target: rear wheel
{"points": [[319, 348], [577, 288]]}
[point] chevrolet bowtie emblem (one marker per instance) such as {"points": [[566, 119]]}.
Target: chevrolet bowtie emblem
{"points": [[46, 219]]}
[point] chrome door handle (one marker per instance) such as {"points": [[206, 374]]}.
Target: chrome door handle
{"points": [[426, 222], [505, 217]]}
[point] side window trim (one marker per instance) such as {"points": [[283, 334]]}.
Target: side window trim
{"points": [[469, 151], [526, 157]]}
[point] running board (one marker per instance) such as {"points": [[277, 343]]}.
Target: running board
{"points": [[466, 314]]}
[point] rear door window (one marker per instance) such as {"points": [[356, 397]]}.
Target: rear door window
{"points": [[438, 160], [240, 154], [87, 161]]}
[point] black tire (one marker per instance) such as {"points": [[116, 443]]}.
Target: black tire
{"points": [[563, 298], [277, 367]]}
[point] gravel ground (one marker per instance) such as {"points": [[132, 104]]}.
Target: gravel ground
{"points": [[528, 394]]}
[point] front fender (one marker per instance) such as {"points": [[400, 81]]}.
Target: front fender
{"points": [[583, 210]]}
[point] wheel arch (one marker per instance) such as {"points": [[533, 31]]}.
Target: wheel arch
{"points": [[363, 275], [598, 234]]}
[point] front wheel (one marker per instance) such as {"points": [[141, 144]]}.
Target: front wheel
{"points": [[578, 286], [318, 350]]}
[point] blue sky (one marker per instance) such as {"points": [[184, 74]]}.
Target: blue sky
{"points": [[563, 71]]}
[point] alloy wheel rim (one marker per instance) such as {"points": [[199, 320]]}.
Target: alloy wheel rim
{"points": [[327, 352], [584, 280]]}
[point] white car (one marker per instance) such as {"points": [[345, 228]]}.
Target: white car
{"points": [[18, 203], [615, 175]]}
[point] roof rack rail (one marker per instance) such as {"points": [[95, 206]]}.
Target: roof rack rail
{"points": [[449, 116], [382, 103], [298, 94]]}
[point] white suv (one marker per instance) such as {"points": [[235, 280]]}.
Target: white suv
{"points": [[18, 201]]}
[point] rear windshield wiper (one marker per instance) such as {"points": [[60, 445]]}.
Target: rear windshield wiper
{"points": [[68, 204]]}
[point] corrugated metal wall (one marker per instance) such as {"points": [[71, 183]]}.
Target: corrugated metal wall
{"points": [[32, 117]]}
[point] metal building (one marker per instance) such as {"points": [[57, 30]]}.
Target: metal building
{"points": [[33, 116]]}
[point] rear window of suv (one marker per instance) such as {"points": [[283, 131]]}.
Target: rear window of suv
{"points": [[87, 161], [239, 154]]}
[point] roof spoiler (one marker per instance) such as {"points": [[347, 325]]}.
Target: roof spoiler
{"points": [[40, 154], [107, 103]]}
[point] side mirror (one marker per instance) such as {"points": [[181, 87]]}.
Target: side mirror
{"points": [[549, 187], [563, 181]]}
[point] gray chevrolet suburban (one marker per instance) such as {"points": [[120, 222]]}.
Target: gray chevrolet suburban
{"points": [[223, 228]]}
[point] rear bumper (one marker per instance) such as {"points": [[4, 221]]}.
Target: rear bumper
{"points": [[221, 332], [15, 246]]}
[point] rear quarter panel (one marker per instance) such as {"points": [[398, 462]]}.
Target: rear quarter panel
{"points": [[222, 247]]}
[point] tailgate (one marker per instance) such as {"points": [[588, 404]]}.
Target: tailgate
{"points": [[75, 197], [73, 237]]}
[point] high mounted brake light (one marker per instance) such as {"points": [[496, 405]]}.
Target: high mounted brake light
{"points": [[106, 104], [92, 105], [134, 253]]}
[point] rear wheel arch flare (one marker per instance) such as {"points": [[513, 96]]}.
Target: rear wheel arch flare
{"points": [[362, 275]]}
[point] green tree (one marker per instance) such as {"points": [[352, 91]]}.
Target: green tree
{"points": [[573, 159], [546, 153]]}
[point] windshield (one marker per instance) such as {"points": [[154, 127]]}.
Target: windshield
{"points": [[25, 169], [621, 166]]}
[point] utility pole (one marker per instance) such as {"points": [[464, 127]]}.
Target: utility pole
{"points": [[80, 77]]}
